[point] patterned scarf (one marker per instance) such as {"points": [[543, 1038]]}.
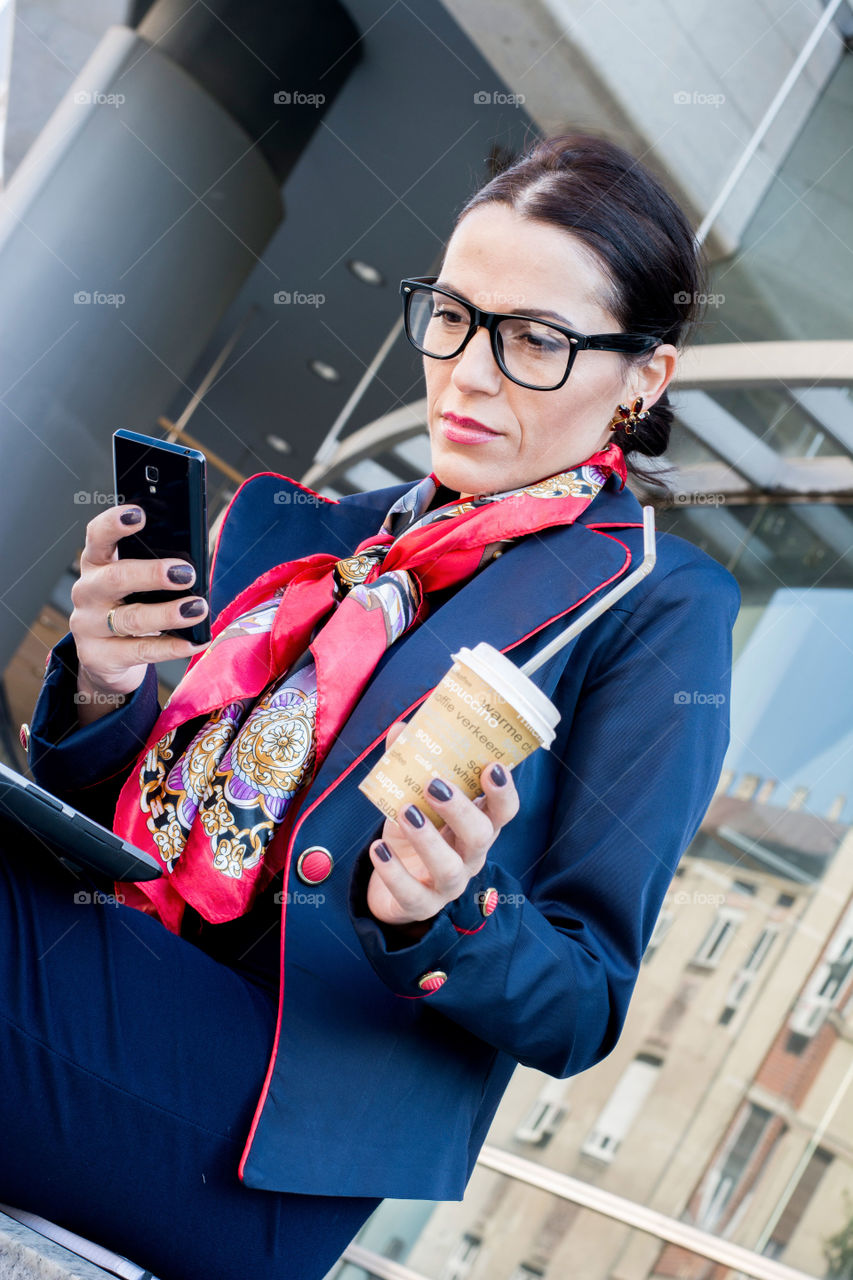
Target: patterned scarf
{"points": [[212, 792]]}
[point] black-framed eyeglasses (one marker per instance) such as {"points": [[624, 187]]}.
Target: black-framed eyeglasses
{"points": [[534, 353]]}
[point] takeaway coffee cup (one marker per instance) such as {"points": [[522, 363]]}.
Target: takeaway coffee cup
{"points": [[485, 710]]}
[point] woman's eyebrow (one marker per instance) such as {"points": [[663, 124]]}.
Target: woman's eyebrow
{"points": [[533, 312]]}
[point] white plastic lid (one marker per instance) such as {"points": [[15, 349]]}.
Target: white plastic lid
{"points": [[538, 712]]}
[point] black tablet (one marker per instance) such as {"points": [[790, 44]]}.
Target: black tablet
{"points": [[70, 834]]}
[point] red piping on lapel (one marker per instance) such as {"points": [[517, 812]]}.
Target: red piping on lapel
{"points": [[271, 1067]]}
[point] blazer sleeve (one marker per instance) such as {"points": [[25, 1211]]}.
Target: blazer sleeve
{"points": [[547, 976], [86, 765]]}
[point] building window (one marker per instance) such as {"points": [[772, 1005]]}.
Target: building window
{"points": [[798, 1202], [661, 929], [464, 1256], [717, 938], [745, 976], [622, 1107], [546, 1115], [725, 1175], [828, 981]]}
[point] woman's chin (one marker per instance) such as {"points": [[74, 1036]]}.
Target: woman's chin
{"points": [[464, 475]]}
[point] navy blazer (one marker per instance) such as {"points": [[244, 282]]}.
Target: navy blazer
{"points": [[375, 1087]]}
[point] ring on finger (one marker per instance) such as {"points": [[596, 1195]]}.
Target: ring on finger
{"points": [[111, 623]]}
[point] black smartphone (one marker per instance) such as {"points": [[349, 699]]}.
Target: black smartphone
{"points": [[168, 481]]}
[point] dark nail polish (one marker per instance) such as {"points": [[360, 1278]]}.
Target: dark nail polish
{"points": [[133, 516], [439, 790], [383, 851], [414, 815], [192, 608], [498, 776], [182, 573]]}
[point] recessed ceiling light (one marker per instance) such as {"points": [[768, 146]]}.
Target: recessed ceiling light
{"points": [[278, 443], [365, 272], [327, 372]]}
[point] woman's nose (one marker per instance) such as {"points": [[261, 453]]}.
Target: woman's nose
{"points": [[475, 368]]}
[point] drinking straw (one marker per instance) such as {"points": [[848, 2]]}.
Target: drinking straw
{"points": [[602, 605]]}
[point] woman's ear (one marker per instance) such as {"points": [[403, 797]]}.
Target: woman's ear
{"points": [[653, 377]]}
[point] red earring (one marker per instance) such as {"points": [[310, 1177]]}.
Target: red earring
{"points": [[626, 418]]}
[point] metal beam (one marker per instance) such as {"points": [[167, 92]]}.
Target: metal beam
{"points": [[639, 1216], [831, 409]]}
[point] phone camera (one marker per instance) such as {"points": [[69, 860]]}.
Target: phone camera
{"points": [[152, 474]]}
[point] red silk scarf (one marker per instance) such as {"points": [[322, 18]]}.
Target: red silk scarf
{"points": [[211, 793]]}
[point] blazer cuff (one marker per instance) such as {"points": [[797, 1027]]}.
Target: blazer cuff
{"points": [[457, 936], [65, 756]]}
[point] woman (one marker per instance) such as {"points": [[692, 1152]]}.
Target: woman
{"points": [[335, 1005]]}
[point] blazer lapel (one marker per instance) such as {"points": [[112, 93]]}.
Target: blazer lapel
{"points": [[254, 537], [541, 577]]}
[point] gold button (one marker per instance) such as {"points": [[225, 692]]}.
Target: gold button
{"points": [[488, 900], [314, 865], [432, 980]]}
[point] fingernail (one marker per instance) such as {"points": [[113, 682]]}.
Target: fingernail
{"points": [[182, 573], [497, 775], [192, 608], [439, 790], [383, 851], [133, 516], [414, 815]]}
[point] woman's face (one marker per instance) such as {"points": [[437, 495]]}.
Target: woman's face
{"points": [[500, 260]]}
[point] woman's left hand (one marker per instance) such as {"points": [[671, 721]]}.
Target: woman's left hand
{"points": [[430, 867]]}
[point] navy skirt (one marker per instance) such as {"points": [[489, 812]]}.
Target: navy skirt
{"points": [[131, 1061]]}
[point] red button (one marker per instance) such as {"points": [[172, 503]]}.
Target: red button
{"points": [[314, 865], [432, 980], [488, 901]]}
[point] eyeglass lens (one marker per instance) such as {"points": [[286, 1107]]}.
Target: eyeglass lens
{"points": [[532, 351]]}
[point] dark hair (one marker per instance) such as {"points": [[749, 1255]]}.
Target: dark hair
{"points": [[639, 235]]}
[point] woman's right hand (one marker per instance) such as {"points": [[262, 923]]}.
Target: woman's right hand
{"points": [[110, 666]]}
